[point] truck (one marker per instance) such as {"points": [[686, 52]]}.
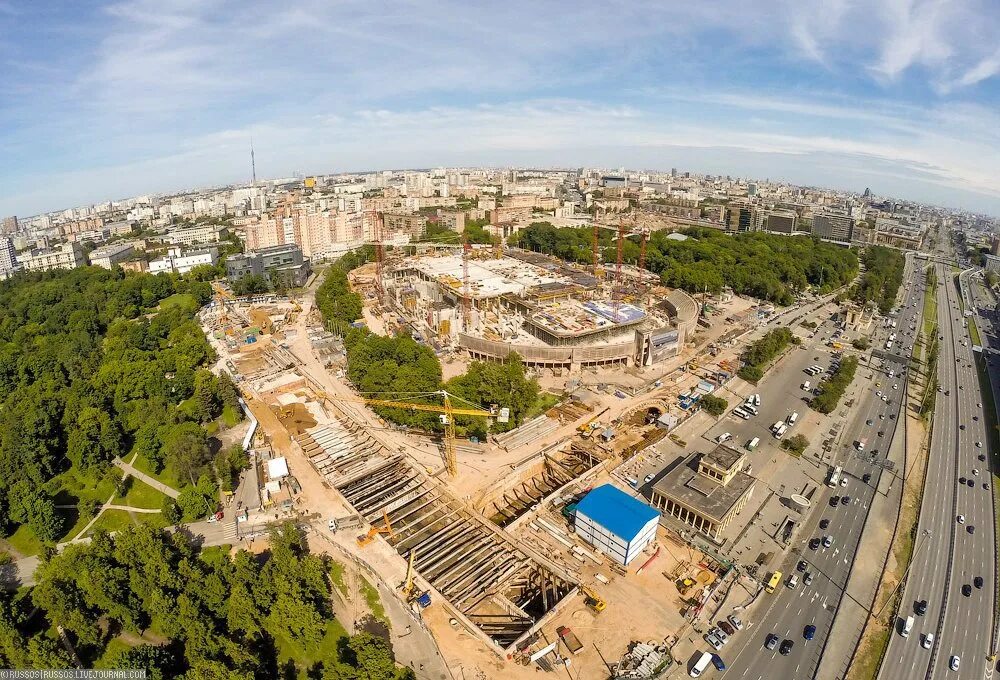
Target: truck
{"points": [[834, 477], [569, 639]]}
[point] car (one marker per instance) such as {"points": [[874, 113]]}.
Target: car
{"points": [[834, 501], [966, 589], [885, 399], [735, 622], [962, 426], [771, 641], [961, 481], [971, 529], [809, 632], [718, 662], [845, 500], [869, 422], [814, 544], [713, 641], [895, 386], [954, 662], [978, 582], [892, 416], [808, 578], [867, 477], [801, 566], [976, 418], [843, 481], [727, 627], [717, 632], [986, 486], [978, 405], [881, 433], [827, 541], [786, 647], [878, 393], [961, 519], [970, 482], [928, 641], [824, 523], [975, 471], [920, 607]]}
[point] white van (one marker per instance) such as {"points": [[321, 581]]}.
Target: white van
{"points": [[792, 418], [792, 581], [756, 400], [806, 385], [701, 664], [907, 627], [753, 443]]}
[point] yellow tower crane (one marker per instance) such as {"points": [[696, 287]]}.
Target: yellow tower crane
{"points": [[447, 411]]}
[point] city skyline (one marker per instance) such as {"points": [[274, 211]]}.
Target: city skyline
{"points": [[137, 97]]}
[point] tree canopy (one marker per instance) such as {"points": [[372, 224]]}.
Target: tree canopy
{"points": [[882, 278], [221, 615], [767, 266], [93, 366]]}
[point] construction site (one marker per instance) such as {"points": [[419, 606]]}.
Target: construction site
{"points": [[484, 535]]}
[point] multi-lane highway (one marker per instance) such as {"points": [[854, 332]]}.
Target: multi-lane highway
{"points": [[949, 556], [788, 611]]}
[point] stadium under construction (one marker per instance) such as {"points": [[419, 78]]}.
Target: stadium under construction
{"points": [[551, 314]]}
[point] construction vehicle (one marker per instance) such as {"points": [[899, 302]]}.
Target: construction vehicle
{"points": [[594, 601], [386, 528], [407, 588], [570, 639], [447, 411]]}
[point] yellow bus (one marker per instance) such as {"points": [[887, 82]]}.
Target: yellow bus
{"points": [[773, 583]]}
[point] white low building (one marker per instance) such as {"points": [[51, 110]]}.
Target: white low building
{"points": [[179, 262]]}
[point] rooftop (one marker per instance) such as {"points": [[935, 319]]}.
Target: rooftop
{"points": [[684, 485], [616, 511], [722, 456]]}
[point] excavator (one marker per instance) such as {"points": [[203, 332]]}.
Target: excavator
{"points": [[365, 539]]}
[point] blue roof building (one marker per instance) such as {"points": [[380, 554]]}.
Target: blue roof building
{"points": [[615, 523]]}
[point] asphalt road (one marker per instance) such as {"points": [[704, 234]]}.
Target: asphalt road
{"points": [[947, 557], [789, 611]]}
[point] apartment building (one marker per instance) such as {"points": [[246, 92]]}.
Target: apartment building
{"points": [[199, 233], [281, 260], [833, 227], [8, 256], [178, 261], [110, 255], [63, 256]]}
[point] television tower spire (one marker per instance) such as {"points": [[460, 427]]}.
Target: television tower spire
{"points": [[253, 166]]}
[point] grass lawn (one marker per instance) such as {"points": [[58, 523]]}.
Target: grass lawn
{"points": [[373, 600], [73, 486], [141, 495], [111, 520], [306, 657], [869, 656], [930, 311], [230, 416], [545, 401], [167, 475], [337, 576], [24, 541], [183, 300], [993, 435], [974, 332]]}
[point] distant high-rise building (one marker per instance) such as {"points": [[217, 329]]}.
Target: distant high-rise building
{"points": [[751, 189], [833, 227], [995, 246], [741, 217], [673, 172], [8, 255]]}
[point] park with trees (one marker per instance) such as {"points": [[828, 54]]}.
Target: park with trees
{"points": [[147, 599], [771, 267], [97, 365]]}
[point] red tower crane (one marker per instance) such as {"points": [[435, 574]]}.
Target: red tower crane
{"points": [[643, 235]]}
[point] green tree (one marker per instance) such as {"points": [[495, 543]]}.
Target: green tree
{"points": [[185, 448], [251, 284], [714, 405]]}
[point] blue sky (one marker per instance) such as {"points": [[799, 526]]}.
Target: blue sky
{"points": [[104, 100]]}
